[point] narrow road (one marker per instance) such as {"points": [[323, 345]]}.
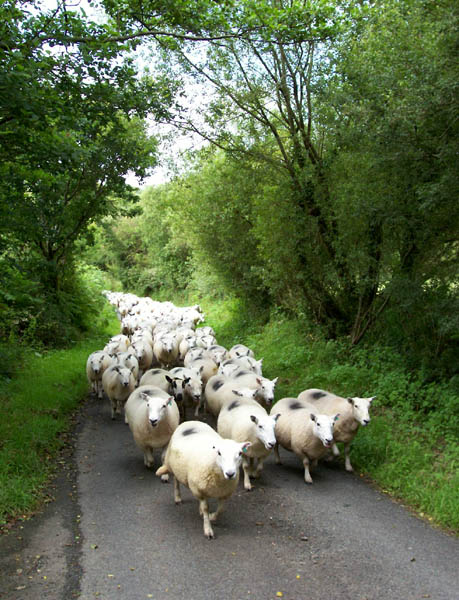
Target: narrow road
{"points": [[114, 532]]}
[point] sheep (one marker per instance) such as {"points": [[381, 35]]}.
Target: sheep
{"points": [[205, 366], [118, 383], [353, 413], [144, 355], [97, 363], [165, 350], [193, 354], [300, 429], [264, 387], [219, 391], [128, 360], [157, 377], [191, 385], [239, 350], [187, 342], [230, 366], [207, 464], [207, 330], [245, 419], [152, 416], [217, 353], [205, 341]]}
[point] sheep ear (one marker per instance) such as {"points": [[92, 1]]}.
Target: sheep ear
{"points": [[275, 379], [370, 400], [201, 369], [254, 419], [186, 380], [313, 417], [276, 417], [351, 401], [237, 393], [336, 417], [245, 446], [259, 381], [144, 395]]}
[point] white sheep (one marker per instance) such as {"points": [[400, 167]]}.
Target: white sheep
{"points": [[205, 366], [165, 350], [118, 383], [192, 355], [97, 363], [264, 387], [191, 386], [353, 413], [207, 464], [230, 366], [158, 378], [219, 391], [129, 360], [239, 350], [152, 416], [245, 419], [217, 353], [144, 355], [300, 429]]}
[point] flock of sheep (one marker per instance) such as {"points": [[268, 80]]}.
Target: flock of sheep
{"points": [[162, 366]]}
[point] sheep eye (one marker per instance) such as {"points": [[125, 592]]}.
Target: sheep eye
{"points": [[318, 424], [219, 453]]}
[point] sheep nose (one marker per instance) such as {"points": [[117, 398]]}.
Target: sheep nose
{"points": [[271, 445], [154, 422], [366, 421], [230, 474]]}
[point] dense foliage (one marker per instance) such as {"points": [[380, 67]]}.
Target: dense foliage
{"points": [[329, 186]]}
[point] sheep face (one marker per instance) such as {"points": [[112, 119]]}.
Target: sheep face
{"points": [[193, 387], [156, 408], [322, 427], [265, 429], [96, 363], [361, 409], [229, 456], [266, 389], [125, 375]]}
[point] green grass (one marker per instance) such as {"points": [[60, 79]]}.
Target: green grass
{"points": [[37, 405]]}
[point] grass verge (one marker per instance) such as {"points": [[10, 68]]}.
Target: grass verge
{"points": [[37, 405]]}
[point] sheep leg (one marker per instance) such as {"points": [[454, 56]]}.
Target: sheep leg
{"points": [[165, 477], [246, 469], [148, 459], [276, 454], [258, 469], [347, 460], [177, 496], [221, 504], [204, 511], [113, 406], [307, 475], [335, 449]]}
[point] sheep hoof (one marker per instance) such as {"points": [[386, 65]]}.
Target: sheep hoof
{"points": [[165, 478]]}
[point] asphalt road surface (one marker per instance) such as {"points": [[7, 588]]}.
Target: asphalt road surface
{"points": [[113, 532]]}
